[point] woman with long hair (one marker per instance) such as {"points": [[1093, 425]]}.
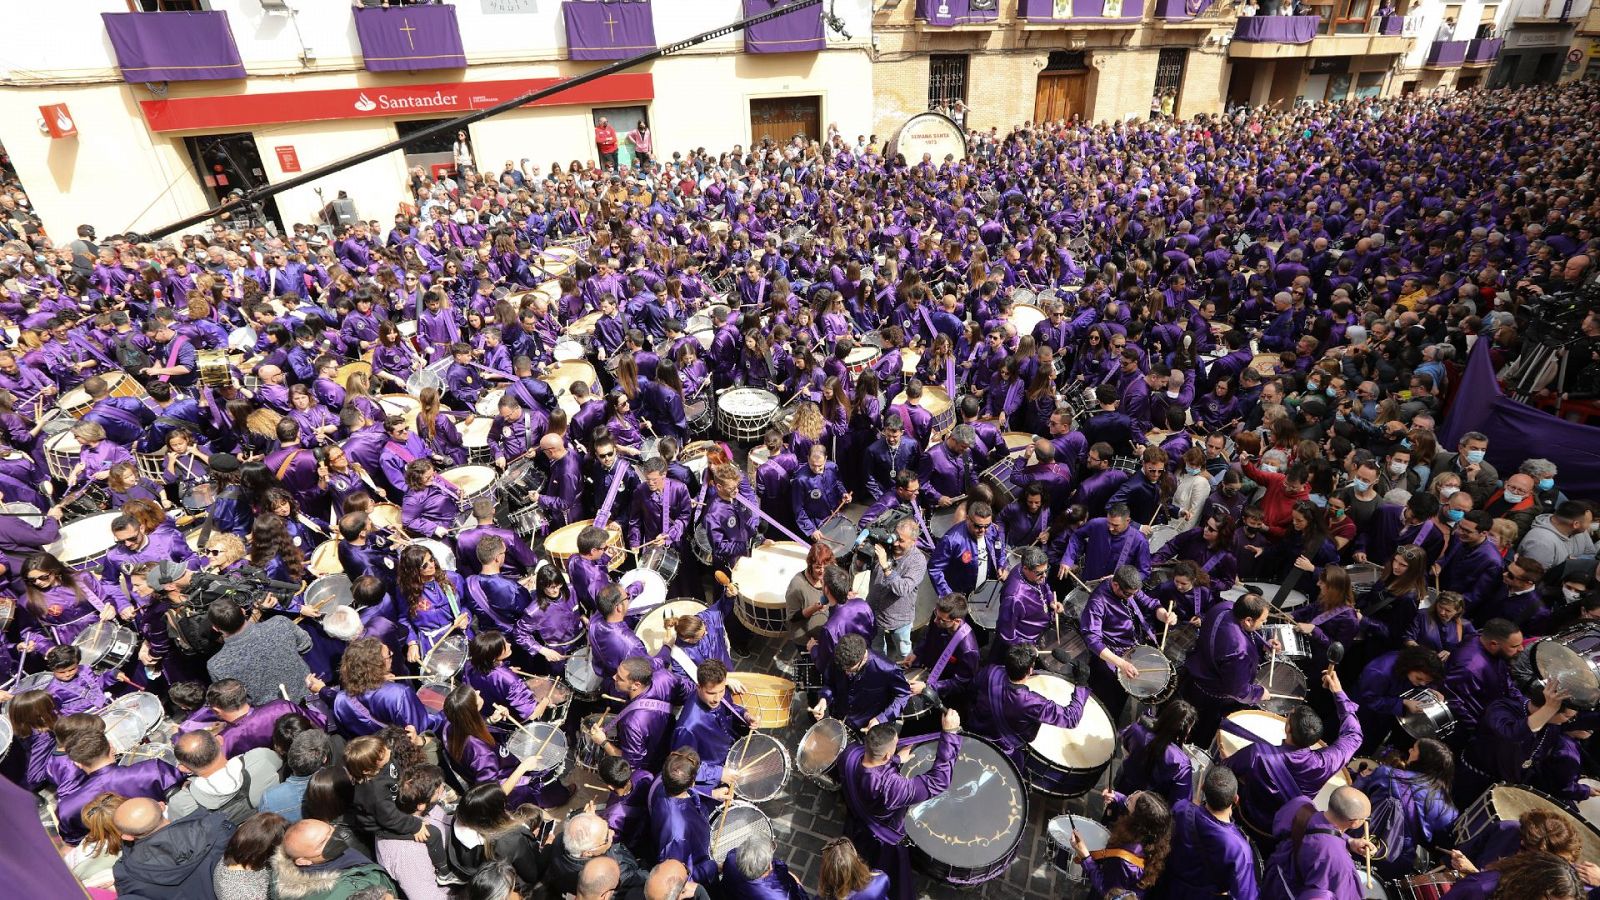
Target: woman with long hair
{"points": [[1136, 851], [317, 423], [807, 428], [305, 531], [92, 860], [435, 606], [437, 428], [661, 401], [245, 871], [552, 627], [1549, 864], [1416, 795], [1442, 627], [842, 875], [1155, 759], [35, 759], [1306, 544], [478, 757], [626, 372], [488, 671], [489, 832], [1389, 606], [273, 551], [358, 393], [60, 603], [1209, 545], [623, 424], [367, 700], [1331, 616]]}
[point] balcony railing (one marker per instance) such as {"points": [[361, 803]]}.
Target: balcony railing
{"points": [[1446, 54], [1483, 51], [1277, 29]]}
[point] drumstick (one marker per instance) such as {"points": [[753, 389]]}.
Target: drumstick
{"points": [[548, 738], [723, 822], [448, 632], [1366, 835], [1272, 666], [1166, 628], [756, 761]]}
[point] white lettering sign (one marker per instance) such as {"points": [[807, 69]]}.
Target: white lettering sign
{"points": [[509, 7]]}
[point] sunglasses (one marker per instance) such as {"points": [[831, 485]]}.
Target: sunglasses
{"points": [[213, 551]]}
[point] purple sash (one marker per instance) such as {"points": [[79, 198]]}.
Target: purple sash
{"points": [[1423, 530], [603, 515], [771, 521], [949, 653], [172, 353]]}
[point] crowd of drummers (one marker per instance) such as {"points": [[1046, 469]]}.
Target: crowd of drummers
{"points": [[551, 539]]}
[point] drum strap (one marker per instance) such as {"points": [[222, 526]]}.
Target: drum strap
{"points": [[475, 590], [1128, 857], [178, 343], [771, 521], [288, 461], [687, 664], [603, 515]]}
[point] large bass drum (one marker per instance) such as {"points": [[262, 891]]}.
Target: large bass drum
{"points": [[969, 834]]}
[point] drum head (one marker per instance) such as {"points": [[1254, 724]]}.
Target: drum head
{"points": [[1555, 661], [446, 658], [1086, 747], [763, 577], [84, 539], [821, 747], [757, 766], [1155, 672], [386, 515], [94, 641], [129, 718], [23, 512], [736, 824], [1286, 686], [652, 628], [645, 590], [839, 533], [542, 742], [329, 590], [442, 554], [979, 821], [1269, 728], [580, 672], [470, 479], [983, 604]]}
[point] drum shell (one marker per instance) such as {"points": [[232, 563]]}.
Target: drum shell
{"points": [[743, 414], [1069, 762], [580, 676], [588, 754], [767, 699], [85, 542], [763, 579]]}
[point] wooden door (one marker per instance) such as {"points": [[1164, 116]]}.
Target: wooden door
{"points": [[781, 118], [1060, 96]]}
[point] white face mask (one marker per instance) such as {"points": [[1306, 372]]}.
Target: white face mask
{"points": [[1571, 595], [1397, 468], [1445, 493], [1513, 498]]}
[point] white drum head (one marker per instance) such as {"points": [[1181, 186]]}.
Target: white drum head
{"points": [[763, 577], [84, 538], [645, 587], [470, 479], [1090, 744], [1270, 727]]}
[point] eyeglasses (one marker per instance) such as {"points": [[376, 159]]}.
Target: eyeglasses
{"points": [[605, 456], [213, 551]]}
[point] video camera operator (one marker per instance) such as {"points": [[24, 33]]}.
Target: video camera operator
{"points": [[262, 653]]}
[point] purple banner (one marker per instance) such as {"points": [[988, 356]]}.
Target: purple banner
{"points": [[1276, 29], [1077, 10], [1392, 26], [1514, 430], [796, 32], [1484, 50], [597, 30], [173, 46], [1447, 53], [29, 861], [1181, 9], [947, 13], [409, 38]]}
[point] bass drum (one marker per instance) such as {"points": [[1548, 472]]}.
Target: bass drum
{"points": [[969, 834]]}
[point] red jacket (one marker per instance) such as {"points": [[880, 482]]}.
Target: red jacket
{"points": [[1278, 504]]}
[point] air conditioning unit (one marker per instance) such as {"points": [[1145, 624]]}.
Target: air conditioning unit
{"points": [[277, 7]]}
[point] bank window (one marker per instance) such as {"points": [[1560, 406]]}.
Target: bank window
{"points": [[947, 80], [167, 5]]}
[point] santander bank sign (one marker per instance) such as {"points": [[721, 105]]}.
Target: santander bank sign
{"points": [[279, 107]]}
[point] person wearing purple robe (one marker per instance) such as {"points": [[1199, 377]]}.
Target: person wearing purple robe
{"points": [[360, 326], [1210, 856], [816, 492], [516, 431], [552, 627], [248, 727], [366, 701], [589, 570], [847, 614], [1028, 607], [1314, 854], [751, 872], [97, 457], [432, 504], [134, 548], [92, 754], [860, 687], [644, 726], [1117, 616], [1272, 776], [400, 448], [489, 673], [520, 560], [969, 554], [477, 756], [76, 688], [561, 499], [660, 510], [60, 603], [1104, 545], [1479, 673], [681, 816], [877, 796], [1522, 741], [948, 639], [1009, 713], [710, 723], [889, 455], [948, 470], [627, 805], [496, 600]]}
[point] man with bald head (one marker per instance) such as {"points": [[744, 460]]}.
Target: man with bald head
{"points": [[273, 392], [1315, 852], [585, 839], [564, 487], [312, 864], [169, 860], [599, 879], [669, 880]]}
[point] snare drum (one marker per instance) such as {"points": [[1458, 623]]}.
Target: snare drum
{"points": [[763, 578], [1066, 653], [106, 646], [562, 544], [1285, 685], [1068, 762], [1058, 834], [839, 533], [1362, 575], [589, 754], [471, 482], [645, 590], [1294, 644], [129, 719], [1161, 535], [735, 825], [652, 629], [820, 749], [1199, 762], [61, 454], [861, 359], [1268, 590], [1181, 639], [1434, 720], [743, 414], [1426, 885], [998, 479], [660, 559], [936, 400], [922, 712], [983, 604], [967, 835], [324, 560], [757, 767], [475, 437], [327, 592], [543, 743], [84, 543], [445, 660], [581, 677], [1506, 803], [767, 699], [1156, 680]]}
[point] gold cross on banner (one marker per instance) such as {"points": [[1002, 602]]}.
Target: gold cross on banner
{"points": [[408, 29], [611, 23]]}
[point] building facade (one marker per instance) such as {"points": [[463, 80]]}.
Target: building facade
{"points": [[149, 152]]}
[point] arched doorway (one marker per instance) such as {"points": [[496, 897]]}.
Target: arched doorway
{"points": [[1063, 88]]}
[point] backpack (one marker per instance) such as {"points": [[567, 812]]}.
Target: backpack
{"points": [[1389, 823], [237, 807]]}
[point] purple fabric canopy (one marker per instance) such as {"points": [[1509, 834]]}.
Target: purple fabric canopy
{"points": [[1447, 53], [796, 32], [1517, 431], [1484, 50], [409, 38], [957, 12], [597, 30], [1181, 9], [173, 46], [29, 862], [1276, 29]]}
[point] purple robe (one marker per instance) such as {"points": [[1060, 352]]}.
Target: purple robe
{"points": [[1010, 714], [480, 762], [390, 703], [710, 731], [644, 727], [1322, 863], [150, 778], [1473, 679], [878, 798], [778, 884], [254, 728], [854, 616], [164, 543], [1025, 613], [878, 691], [683, 831], [1271, 776], [1209, 857], [500, 687], [65, 615]]}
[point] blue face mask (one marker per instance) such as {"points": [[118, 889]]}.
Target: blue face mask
{"points": [[1313, 387], [1318, 500], [1406, 443], [1455, 515], [1192, 470], [1474, 456], [1331, 391], [1546, 484], [1361, 486]]}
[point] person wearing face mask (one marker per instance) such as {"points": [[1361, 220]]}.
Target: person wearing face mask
{"points": [[1468, 461], [1543, 472], [1515, 501], [1471, 565]]}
